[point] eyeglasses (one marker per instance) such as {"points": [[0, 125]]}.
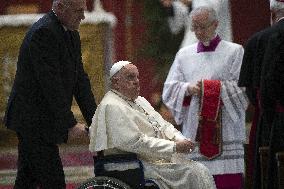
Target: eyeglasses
{"points": [[200, 27]]}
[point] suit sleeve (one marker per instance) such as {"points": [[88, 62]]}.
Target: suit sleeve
{"points": [[83, 92], [44, 51], [270, 76], [247, 69]]}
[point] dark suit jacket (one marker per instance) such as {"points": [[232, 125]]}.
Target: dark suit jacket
{"points": [[248, 67], [49, 73], [272, 85], [251, 69], [272, 93], [251, 77]]}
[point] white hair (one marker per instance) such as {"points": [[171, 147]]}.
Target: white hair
{"points": [[65, 2], [276, 5], [212, 15]]}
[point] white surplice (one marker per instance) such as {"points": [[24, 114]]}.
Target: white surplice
{"points": [[223, 64], [121, 126], [181, 19]]}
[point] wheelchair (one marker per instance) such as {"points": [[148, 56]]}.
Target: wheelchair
{"points": [[120, 171]]}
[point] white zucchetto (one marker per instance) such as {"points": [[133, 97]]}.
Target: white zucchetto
{"points": [[116, 67]]}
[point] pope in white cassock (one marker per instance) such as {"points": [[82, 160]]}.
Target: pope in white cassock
{"points": [[125, 122], [202, 94]]}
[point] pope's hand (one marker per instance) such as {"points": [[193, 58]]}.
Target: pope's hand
{"points": [[184, 146], [78, 131]]}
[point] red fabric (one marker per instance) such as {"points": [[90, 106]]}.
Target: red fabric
{"points": [[229, 181], [279, 108], [208, 147], [68, 186], [241, 20], [210, 99], [209, 128], [251, 147], [252, 137], [186, 101]]}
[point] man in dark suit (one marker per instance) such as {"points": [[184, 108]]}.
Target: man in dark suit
{"points": [[49, 73], [250, 77], [272, 95]]}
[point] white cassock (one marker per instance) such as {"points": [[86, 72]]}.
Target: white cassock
{"points": [[223, 64], [121, 126], [181, 19]]}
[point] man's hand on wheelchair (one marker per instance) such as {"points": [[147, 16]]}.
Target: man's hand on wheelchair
{"points": [[184, 146], [78, 131]]}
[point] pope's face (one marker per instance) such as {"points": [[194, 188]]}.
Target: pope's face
{"points": [[203, 27], [128, 82]]}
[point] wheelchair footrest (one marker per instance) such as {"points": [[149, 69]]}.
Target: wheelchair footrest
{"points": [[150, 184]]}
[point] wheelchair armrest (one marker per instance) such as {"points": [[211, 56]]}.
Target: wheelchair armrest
{"points": [[102, 162], [116, 157], [125, 167]]}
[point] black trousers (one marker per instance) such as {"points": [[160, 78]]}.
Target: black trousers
{"points": [[39, 165], [262, 139], [276, 145]]}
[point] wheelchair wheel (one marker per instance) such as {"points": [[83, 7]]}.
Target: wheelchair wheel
{"points": [[102, 182]]}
